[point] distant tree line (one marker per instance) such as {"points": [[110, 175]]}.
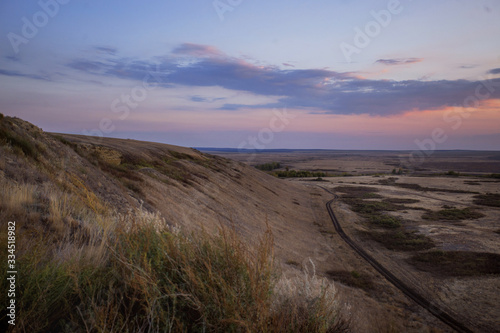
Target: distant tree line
{"points": [[299, 173], [269, 166], [397, 171]]}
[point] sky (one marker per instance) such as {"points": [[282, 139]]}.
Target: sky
{"points": [[310, 74]]}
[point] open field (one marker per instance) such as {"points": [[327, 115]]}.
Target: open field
{"points": [[358, 162], [434, 229], [96, 220]]}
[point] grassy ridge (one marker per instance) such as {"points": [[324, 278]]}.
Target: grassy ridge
{"points": [[21, 145]]}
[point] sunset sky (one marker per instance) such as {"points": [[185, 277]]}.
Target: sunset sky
{"points": [[330, 74]]}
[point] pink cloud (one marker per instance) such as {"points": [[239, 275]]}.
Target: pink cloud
{"points": [[197, 50]]}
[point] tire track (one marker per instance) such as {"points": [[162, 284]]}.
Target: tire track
{"points": [[410, 292]]}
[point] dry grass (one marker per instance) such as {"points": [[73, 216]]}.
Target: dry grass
{"points": [[88, 268], [296, 299]]}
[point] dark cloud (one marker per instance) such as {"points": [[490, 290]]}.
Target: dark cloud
{"points": [[287, 64], [205, 99], [153, 72], [494, 71], [392, 62], [106, 50], [198, 99], [86, 66], [43, 77], [13, 58]]}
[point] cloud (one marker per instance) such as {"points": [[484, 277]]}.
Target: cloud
{"points": [[43, 77], [106, 50], [201, 99], [315, 90], [13, 58], [196, 50], [288, 65], [86, 66], [494, 71], [198, 99], [393, 62]]}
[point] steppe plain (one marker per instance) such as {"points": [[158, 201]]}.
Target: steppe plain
{"points": [[437, 199]]}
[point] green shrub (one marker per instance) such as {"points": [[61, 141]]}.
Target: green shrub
{"points": [[400, 200], [453, 214], [457, 263], [386, 221], [23, 144], [268, 166], [400, 240], [298, 174], [489, 199], [180, 156]]}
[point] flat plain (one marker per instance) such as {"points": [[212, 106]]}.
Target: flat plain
{"points": [[435, 225]]}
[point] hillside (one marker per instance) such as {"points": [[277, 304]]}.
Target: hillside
{"points": [[97, 219], [93, 216], [188, 188]]}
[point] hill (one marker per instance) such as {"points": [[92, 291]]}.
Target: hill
{"points": [[112, 227], [140, 236]]}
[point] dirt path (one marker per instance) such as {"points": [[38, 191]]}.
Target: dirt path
{"points": [[407, 290]]}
